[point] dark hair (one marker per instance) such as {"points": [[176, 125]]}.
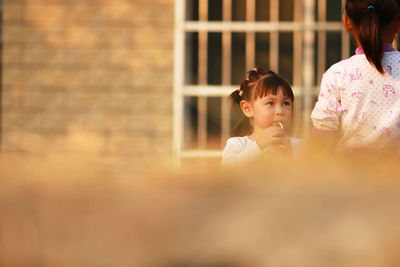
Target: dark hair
{"points": [[258, 83], [371, 18]]}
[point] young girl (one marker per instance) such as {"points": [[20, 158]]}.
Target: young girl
{"points": [[359, 98], [266, 100]]}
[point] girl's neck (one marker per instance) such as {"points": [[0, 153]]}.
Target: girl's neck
{"points": [[254, 134], [387, 47], [251, 137]]}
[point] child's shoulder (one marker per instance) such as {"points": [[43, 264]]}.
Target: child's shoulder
{"points": [[344, 67], [344, 64], [238, 140], [239, 144]]}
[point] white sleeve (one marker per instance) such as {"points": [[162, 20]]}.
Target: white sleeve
{"points": [[235, 152], [327, 111], [297, 145]]}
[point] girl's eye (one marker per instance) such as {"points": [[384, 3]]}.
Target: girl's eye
{"points": [[270, 103], [286, 103]]}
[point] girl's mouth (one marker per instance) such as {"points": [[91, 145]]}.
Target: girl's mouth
{"points": [[278, 123]]}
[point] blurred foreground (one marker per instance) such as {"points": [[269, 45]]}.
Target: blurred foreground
{"points": [[71, 207]]}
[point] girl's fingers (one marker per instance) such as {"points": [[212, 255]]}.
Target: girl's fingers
{"points": [[278, 141], [271, 136]]}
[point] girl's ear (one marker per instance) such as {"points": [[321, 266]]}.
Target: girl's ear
{"points": [[247, 108], [398, 24], [348, 25]]}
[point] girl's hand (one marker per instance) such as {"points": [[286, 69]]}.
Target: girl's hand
{"points": [[285, 147], [274, 138]]}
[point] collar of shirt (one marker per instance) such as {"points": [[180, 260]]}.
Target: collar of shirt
{"points": [[386, 48]]}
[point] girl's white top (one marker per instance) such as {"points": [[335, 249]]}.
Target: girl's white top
{"points": [[243, 149], [359, 101]]}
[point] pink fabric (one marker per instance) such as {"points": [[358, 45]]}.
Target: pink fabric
{"points": [[360, 102], [386, 48]]}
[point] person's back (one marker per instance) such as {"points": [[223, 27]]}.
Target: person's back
{"points": [[364, 102], [360, 96]]}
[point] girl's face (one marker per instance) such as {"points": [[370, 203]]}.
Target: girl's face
{"points": [[270, 110]]}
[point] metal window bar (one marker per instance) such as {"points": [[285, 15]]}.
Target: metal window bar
{"points": [[308, 65], [274, 36], [321, 40], [345, 39], [297, 62], [1, 77], [261, 26], [250, 36], [178, 110], [202, 101], [226, 71], [303, 27]]}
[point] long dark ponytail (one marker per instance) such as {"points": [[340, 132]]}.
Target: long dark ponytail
{"points": [[371, 18]]}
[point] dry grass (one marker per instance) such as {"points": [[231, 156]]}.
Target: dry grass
{"points": [[74, 208]]}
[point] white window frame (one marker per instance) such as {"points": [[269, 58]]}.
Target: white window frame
{"points": [[304, 28]]}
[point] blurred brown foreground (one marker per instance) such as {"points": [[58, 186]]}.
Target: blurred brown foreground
{"points": [[76, 208]]}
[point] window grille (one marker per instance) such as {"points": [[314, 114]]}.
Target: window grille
{"points": [[1, 67], [217, 41]]}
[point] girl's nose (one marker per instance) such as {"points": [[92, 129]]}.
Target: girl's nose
{"points": [[278, 109]]}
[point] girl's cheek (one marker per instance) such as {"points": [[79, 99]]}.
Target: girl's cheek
{"points": [[288, 109], [289, 113]]}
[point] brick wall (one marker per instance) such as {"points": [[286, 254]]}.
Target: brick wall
{"points": [[103, 66]]}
